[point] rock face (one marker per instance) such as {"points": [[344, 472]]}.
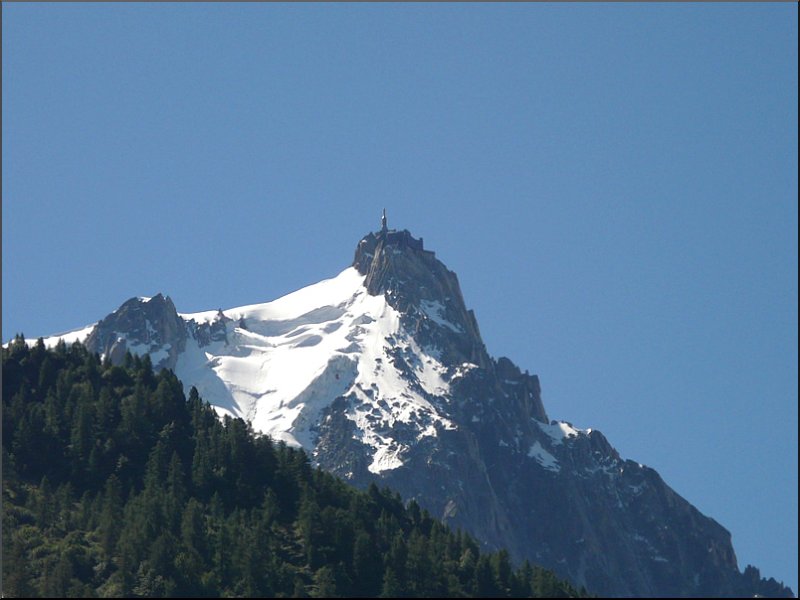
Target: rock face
{"points": [[547, 492], [382, 375], [142, 326], [424, 292]]}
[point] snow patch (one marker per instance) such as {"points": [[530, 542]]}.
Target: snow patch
{"points": [[543, 457], [434, 310], [69, 337], [558, 431], [463, 369]]}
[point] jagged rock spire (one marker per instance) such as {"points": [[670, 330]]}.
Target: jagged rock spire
{"points": [[395, 264]]}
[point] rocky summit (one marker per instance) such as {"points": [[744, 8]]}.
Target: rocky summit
{"points": [[382, 376]]}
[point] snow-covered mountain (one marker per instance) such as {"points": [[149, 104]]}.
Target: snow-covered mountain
{"points": [[380, 373]]}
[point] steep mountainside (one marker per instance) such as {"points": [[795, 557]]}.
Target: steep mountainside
{"points": [[381, 374]]}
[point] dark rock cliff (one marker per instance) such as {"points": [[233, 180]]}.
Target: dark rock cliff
{"points": [[560, 497], [141, 326]]}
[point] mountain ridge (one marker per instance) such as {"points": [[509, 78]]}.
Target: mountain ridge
{"points": [[396, 386]]}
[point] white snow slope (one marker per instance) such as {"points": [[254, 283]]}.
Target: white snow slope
{"points": [[297, 354], [283, 362]]}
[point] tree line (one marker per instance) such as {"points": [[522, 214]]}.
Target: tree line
{"points": [[115, 484]]}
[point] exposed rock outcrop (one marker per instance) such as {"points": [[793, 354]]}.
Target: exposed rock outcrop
{"points": [[141, 326]]}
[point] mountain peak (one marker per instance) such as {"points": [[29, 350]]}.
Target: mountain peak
{"points": [[373, 247], [381, 374], [375, 251], [141, 325], [423, 290]]}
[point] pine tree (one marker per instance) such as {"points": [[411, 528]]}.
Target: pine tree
{"points": [[367, 567], [111, 517], [391, 585], [17, 573], [324, 585]]}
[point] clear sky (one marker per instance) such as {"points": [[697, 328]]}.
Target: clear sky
{"points": [[616, 187]]}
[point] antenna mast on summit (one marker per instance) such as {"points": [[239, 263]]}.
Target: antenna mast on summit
{"points": [[384, 228]]}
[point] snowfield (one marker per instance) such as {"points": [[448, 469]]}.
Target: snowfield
{"points": [[280, 364], [293, 356]]}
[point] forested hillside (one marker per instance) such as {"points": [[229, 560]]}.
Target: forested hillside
{"points": [[115, 484]]}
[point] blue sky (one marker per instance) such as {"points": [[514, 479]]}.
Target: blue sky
{"points": [[616, 187]]}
